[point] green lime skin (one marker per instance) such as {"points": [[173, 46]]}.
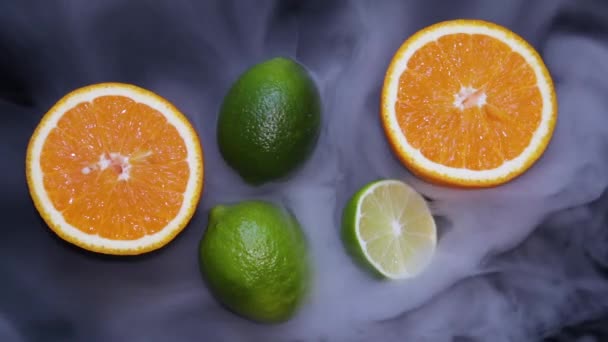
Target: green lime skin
{"points": [[349, 234], [269, 121], [253, 256]]}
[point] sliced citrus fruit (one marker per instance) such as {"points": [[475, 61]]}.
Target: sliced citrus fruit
{"points": [[388, 228], [115, 169], [468, 103]]}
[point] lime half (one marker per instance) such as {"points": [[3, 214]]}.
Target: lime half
{"points": [[388, 227]]}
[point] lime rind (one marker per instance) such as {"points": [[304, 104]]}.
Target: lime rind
{"points": [[269, 121], [254, 259]]}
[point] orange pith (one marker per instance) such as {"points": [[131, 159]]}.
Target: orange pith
{"points": [[128, 198], [440, 71], [467, 101], [115, 169]]}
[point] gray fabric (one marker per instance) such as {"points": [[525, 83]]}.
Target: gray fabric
{"points": [[519, 262]]}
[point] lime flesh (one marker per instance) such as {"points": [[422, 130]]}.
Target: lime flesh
{"points": [[388, 228]]}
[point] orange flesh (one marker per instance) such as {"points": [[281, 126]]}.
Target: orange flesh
{"points": [[118, 198], [493, 124]]}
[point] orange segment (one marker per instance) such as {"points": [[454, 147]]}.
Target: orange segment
{"points": [[468, 103], [115, 169], [434, 78]]}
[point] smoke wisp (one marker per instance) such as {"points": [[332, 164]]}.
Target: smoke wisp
{"points": [[514, 263]]}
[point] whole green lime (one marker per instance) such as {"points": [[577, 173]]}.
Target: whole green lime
{"points": [[254, 258], [270, 120]]}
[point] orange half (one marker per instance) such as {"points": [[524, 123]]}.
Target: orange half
{"points": [[468, 103], [115, 169]]}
